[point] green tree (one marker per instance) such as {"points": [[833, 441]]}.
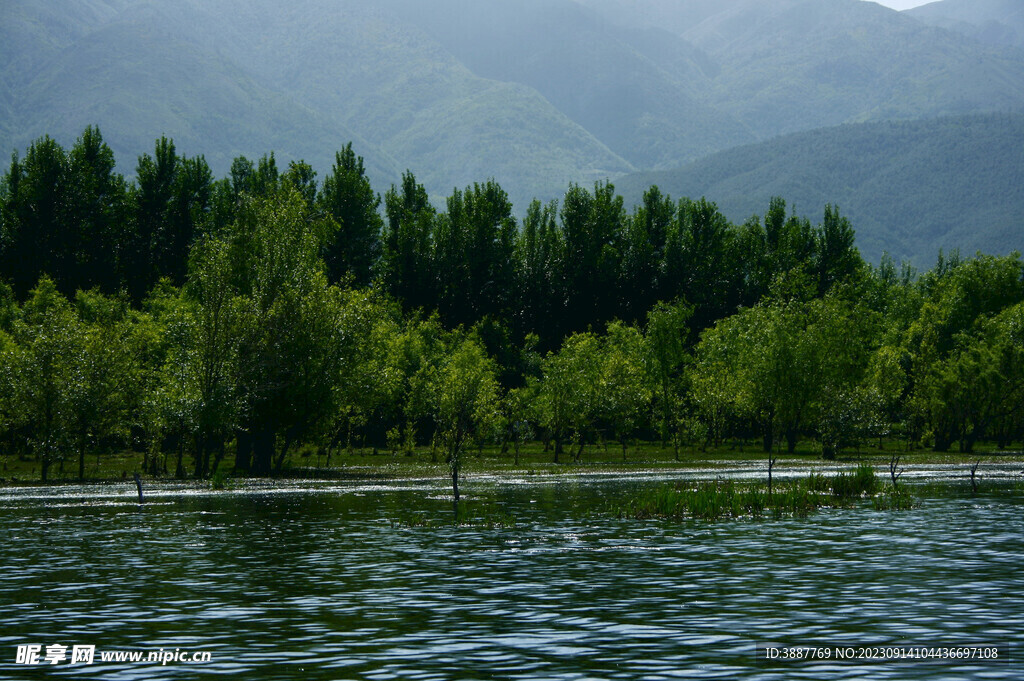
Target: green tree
{"points": [[369, 383], [843, 338], [701, 271], [464, 392], [836, 256], [199, 397], [288, 316], [108, 374], [35, 210], [644, 250], [782, 365], [473, 255], [593, 233], [540, 285], [51, 337], [961, 299], [348, 197], [173, 207], [667, 334], [153, 194], [566, 395], [624, 389], [301, 176], [516, 418], [12, 399], [979, 384], [405, 265], [98, 211]]}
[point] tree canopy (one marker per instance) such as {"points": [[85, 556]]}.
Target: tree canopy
{"points": [[199, 321]]}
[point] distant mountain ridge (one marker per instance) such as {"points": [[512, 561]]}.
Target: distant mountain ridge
{"points": [[992, 21], [909, 188], [533, 93]]}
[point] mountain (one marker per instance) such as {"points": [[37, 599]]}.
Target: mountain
{"points": [[320, 74], [372, 69], [791, 65], [990, 21], [909, 187], [130, 69], [533, 93], [638, 90]]}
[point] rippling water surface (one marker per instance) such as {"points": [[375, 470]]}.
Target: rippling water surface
{"points": [[338, 581]]}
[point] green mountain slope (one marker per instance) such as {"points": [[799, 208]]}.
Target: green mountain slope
{"points": [[534, 93], [791, 65], [373, 69], [137, 78], [638, 91], [991, 21], [799, 64], [321, 74], [909, 188]]}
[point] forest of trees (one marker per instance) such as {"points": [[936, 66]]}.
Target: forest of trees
{"points": [[198, 320]]}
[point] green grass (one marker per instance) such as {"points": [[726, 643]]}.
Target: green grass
{"points": [[534, 459], [720, 499], [723, 499], [862, 481]]}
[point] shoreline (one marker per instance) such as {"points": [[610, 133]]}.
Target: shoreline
{"points": [[1008, 468]]}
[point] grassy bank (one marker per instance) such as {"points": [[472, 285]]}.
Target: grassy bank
{"points": [[533, 458]]}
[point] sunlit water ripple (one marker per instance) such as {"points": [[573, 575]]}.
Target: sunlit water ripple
{"points": [[331, 581]]}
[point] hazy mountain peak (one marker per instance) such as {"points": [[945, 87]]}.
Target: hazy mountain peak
{"points": [[536, 93], [994, 22]]}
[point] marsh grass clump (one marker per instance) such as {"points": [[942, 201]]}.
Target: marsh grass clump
{"points": [[723, 499], [862, 481], [718, 499], [818, 482]]}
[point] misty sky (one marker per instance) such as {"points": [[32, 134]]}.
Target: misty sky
{"points": [[902, 4]]}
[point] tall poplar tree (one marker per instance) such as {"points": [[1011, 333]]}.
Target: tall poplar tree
{"points": [[347, 196]]}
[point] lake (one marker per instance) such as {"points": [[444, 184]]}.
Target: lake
{"points": [[339, 580]]}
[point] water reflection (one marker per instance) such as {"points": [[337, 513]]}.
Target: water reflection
{"points": [[321, 583]]}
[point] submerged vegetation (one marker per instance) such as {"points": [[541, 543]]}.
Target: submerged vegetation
{"points": [[186, 325]]}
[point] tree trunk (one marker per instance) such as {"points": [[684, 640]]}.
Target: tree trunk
{"points": [[263, 451], [969, 440], [200, 443], [219, 456], [179, 471], [455, 490], [81, 461], [284, 451], [243, 451]]}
